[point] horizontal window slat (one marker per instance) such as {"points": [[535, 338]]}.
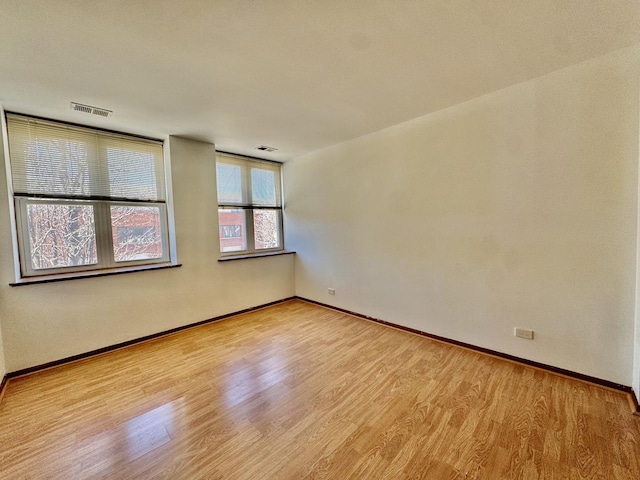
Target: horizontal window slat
{"points": [[49, 158]]}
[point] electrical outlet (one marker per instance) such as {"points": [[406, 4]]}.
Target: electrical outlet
{"points": [[523, 333], [331, 291]]}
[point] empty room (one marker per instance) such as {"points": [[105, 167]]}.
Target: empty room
{"points": [[289, 239]]}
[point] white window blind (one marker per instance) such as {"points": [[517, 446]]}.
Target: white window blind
{"points": [[56, 160], [248, 183]]}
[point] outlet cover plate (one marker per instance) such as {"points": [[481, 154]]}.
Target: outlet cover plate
{"points": [[523, 333]]}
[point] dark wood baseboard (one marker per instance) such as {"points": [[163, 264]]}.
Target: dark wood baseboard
{"points": [[81, 356], [634, 400], [495, 353], [3, 383]]}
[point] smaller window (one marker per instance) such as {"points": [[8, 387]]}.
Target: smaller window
{"points": [[249, 205]]}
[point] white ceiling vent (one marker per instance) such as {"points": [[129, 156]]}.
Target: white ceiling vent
{"points": [[79, 107], [264, 148]]}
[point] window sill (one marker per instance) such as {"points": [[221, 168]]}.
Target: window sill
{"points": [[255, 255], [61, 277]]}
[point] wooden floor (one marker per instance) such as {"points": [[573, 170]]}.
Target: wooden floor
{"points": [[298, 391]]}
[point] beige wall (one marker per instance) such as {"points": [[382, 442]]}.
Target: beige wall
{"points": [[46, 322], [3, 367], [636, 362], [518, 208], [5, 255], [514, 209]]}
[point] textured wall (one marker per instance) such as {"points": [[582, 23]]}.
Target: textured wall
{"points": [[46, 322], [517, 208]]}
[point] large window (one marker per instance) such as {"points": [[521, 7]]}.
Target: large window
{"points": [[249, 205], [85, 199]]}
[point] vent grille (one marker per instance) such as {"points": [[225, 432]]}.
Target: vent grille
{"points": [[101, 112], [265, 148]]}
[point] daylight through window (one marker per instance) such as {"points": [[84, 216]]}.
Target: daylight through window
{"points": [[85, 199], [249, 205]]}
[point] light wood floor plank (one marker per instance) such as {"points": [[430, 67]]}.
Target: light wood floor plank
{"points": [[298, 391]]}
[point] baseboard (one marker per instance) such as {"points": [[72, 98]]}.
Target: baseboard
{"points": [[634, 401], [550, 368], [92, 353], [495, 353], [3, 383]]}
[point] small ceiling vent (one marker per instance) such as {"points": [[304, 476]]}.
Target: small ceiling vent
{"points": [[264, 148], [79, 107]]}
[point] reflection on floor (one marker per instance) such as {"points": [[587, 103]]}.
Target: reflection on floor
{"points": [[299, 391]]}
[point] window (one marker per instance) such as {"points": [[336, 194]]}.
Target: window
{"points": [[85, 199], [249, 205]]}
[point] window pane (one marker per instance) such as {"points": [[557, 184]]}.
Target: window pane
{"points": [[137, 233], [233, 231], [229, 179], [132, 174], [266, 227], [56, 166], [263, 187], [61, 235]]}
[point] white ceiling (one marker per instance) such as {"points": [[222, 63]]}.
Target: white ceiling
{"points": [[299, 75]]}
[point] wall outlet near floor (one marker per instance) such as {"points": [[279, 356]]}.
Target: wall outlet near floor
{"points": [[523, 333], [331, 291]]}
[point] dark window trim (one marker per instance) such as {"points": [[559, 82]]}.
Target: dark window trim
{"points": [[231, 206], [229, 258], [63, 277]]}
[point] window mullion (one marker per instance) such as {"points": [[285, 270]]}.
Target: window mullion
{"points": [[104, 240], [280, 228], [23, 235], [251, 244], [98, 171], [247, 184]]}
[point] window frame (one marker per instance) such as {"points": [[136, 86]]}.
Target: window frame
{"points": [[248, 207], [103, 228]]}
